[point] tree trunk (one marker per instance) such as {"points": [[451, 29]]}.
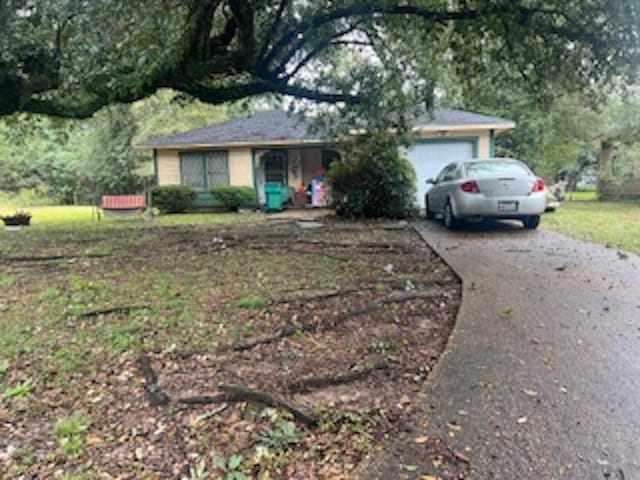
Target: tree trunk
{"points": [[605, 170]]}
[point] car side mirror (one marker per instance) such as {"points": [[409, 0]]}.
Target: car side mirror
{"points": [[431, 180]]}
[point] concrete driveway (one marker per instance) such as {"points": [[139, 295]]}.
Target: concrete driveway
{"points": [[541, 378]]}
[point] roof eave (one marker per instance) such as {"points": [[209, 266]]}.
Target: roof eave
{"points": [[497, 127], [273, 143]]}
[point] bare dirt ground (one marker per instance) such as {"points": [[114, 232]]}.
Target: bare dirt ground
{"points": [[264, 351]]}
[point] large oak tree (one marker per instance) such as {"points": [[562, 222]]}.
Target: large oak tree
{"points": [[71, 57]]}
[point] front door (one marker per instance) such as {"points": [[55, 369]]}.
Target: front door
{"points": [[270, 166], [275, 167]]}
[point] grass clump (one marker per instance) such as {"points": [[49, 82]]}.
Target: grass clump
{"points": [[251, 303], [21, 390], [71, 433]]}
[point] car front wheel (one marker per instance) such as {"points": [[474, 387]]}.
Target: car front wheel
{"points": [[531, 222]]}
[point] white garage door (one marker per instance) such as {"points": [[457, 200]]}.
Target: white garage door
{"points": [[429, 158]]}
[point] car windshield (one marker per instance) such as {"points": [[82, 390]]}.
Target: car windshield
{"points": [[490, 168]]}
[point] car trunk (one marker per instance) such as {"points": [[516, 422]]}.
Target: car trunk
{"points": [[505, 187]]}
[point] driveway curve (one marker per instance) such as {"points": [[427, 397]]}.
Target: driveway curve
{"points": [[541, 377]]}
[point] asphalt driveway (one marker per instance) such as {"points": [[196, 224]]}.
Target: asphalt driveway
{"points": [[541, 378]]}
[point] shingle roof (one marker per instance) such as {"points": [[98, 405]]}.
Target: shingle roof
{"points": [[451, 116], [273, 126], [263, 127]]}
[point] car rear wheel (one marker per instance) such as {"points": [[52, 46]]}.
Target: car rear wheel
{"points": [[449, 219], [428, 213], [531, 222]]}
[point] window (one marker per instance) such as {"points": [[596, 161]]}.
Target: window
{"points": [[444, 174], [204, 170], [488, 168]]}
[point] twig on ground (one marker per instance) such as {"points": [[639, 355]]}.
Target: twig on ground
{"points": [[107, 311], [234, 394], [47, 258], [316, 383]]}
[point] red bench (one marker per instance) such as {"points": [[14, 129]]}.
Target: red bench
{"points": [[123, 204]]}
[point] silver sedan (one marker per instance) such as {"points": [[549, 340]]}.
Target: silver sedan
{"points": [[493, 188]]}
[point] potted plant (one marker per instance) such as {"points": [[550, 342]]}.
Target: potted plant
{"points": [[18, 219]]}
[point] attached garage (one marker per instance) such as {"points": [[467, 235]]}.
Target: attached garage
{"points": [[428, 157], [451, 135]]}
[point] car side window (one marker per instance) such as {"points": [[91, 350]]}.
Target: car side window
{"points": [[444, 174], [451, 173]]}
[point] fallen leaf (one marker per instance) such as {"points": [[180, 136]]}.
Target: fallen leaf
{"points": [[506, 312]]}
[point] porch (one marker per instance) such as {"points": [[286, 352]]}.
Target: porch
{"points": [[299, 170]]}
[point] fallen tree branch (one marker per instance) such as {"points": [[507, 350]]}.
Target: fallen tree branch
{"points": [[156, 396], [107, 311], [235, 394], [289, 331], [320, 296], [47, 258], [316, 383]]}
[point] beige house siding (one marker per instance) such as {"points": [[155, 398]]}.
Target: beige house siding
{"points": [[241, 167], [168, 165]]}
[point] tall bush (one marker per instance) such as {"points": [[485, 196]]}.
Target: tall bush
{"points": [[373, 180], [173, 198], [235, 198]]}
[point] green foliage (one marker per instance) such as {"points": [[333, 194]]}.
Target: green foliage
{"points": [[282, 437], [250, 303], [124, 337], [173, 198], [49, 295], [381, 347], [21, 390], [232, 468], [46, 160], [373, 180], [71, 432], [235, 198]]}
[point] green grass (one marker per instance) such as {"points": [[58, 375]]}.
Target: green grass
{"points": [[21, 390], [71, 432], [66, 215], [582, 196], [51, 215], [250, 303], [614, 223]]}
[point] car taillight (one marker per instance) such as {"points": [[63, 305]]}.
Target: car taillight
{"points": [[538, 186], [470, 187]]}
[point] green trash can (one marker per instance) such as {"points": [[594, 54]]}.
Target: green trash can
{"points": [[273, 192]]}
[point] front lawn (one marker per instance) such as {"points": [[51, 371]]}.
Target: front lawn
{"points": [[216, 344], [611, 223]]}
